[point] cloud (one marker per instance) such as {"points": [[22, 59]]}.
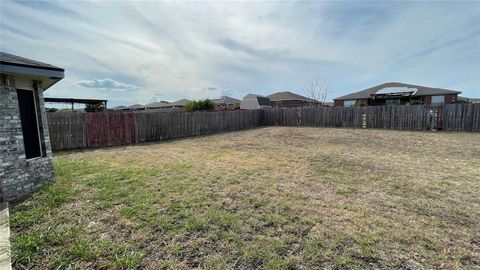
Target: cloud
{"points": [[107, 84], [180, 50]]}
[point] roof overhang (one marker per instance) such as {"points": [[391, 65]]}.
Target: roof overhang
{"points": [[75, 100], [48, 76]]}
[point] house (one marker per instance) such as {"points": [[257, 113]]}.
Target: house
{"points": [[161, 105], [156, 105], [289, 99], [468, 100], [226, 102], [328, 104], [177, 104], [135, 107], [254, 102], [394, 93], [25, 151], [119, 108]]}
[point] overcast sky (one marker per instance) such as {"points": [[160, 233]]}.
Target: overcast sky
{"points": [[139, 52]]}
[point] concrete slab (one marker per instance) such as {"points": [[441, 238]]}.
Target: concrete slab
{"points": [[5, 261]]}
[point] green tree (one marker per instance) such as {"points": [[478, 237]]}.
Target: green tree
{"points": [[200, 105], [97, 107]]}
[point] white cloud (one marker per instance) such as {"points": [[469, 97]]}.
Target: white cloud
{"points": [[179, 50], [107, 84]]}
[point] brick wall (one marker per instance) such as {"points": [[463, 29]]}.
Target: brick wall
{"points": [[20, 177], [338, 103], [450, 99]]}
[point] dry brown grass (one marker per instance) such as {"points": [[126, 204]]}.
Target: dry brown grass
{"points": [[272, 198]]}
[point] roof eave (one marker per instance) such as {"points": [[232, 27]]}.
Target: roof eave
{"points": [[50, 75]]}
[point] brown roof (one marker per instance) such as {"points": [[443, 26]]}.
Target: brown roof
{"points": [[287, 95], [118, 107], [226, 100], [181, 102], [136, 106], [158, 104], [422, 91]]}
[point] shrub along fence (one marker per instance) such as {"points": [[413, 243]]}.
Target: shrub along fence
{"points": [[80, 130]]}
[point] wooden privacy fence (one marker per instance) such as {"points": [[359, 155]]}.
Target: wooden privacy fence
{"points": [[109, 129], [157, 126], [67, 130], [386, 117], [80, 130], [461, 117], [70, 130], [451, 117]]}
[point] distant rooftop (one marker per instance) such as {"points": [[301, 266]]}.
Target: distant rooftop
{"points": [[287, 95], [136, 106], [417, 90], [181, 102], [119, 107], [158, 104], [226, 100]]}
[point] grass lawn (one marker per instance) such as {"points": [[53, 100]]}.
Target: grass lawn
{"points": [[271, 198]]}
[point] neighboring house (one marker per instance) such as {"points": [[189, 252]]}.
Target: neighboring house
{"points": [[395, 93], [468, 100], [156, 105], [25, 151], [289, 99], [119, 108], [254, 102], [178, 104], [161, 105], [135, 107], [226, 102]]}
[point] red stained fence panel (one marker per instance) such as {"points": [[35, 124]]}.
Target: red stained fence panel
{"points": [[104, 129]]}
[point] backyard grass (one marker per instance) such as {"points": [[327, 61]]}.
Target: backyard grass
{"points": [[271, 198]]}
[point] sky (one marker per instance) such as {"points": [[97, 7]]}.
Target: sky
{"points": [[139, 52]]}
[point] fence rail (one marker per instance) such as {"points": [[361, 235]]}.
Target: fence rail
{"points": [[80, 130]]}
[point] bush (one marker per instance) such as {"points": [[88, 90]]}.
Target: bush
{"points": [[361, 103], [414, 102], [99, 107], [200, 105]]}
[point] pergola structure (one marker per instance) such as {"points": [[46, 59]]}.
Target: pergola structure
{"points": [[76, 100]]}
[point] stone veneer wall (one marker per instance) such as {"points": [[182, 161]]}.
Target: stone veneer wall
{"points": [[20, 177]]}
